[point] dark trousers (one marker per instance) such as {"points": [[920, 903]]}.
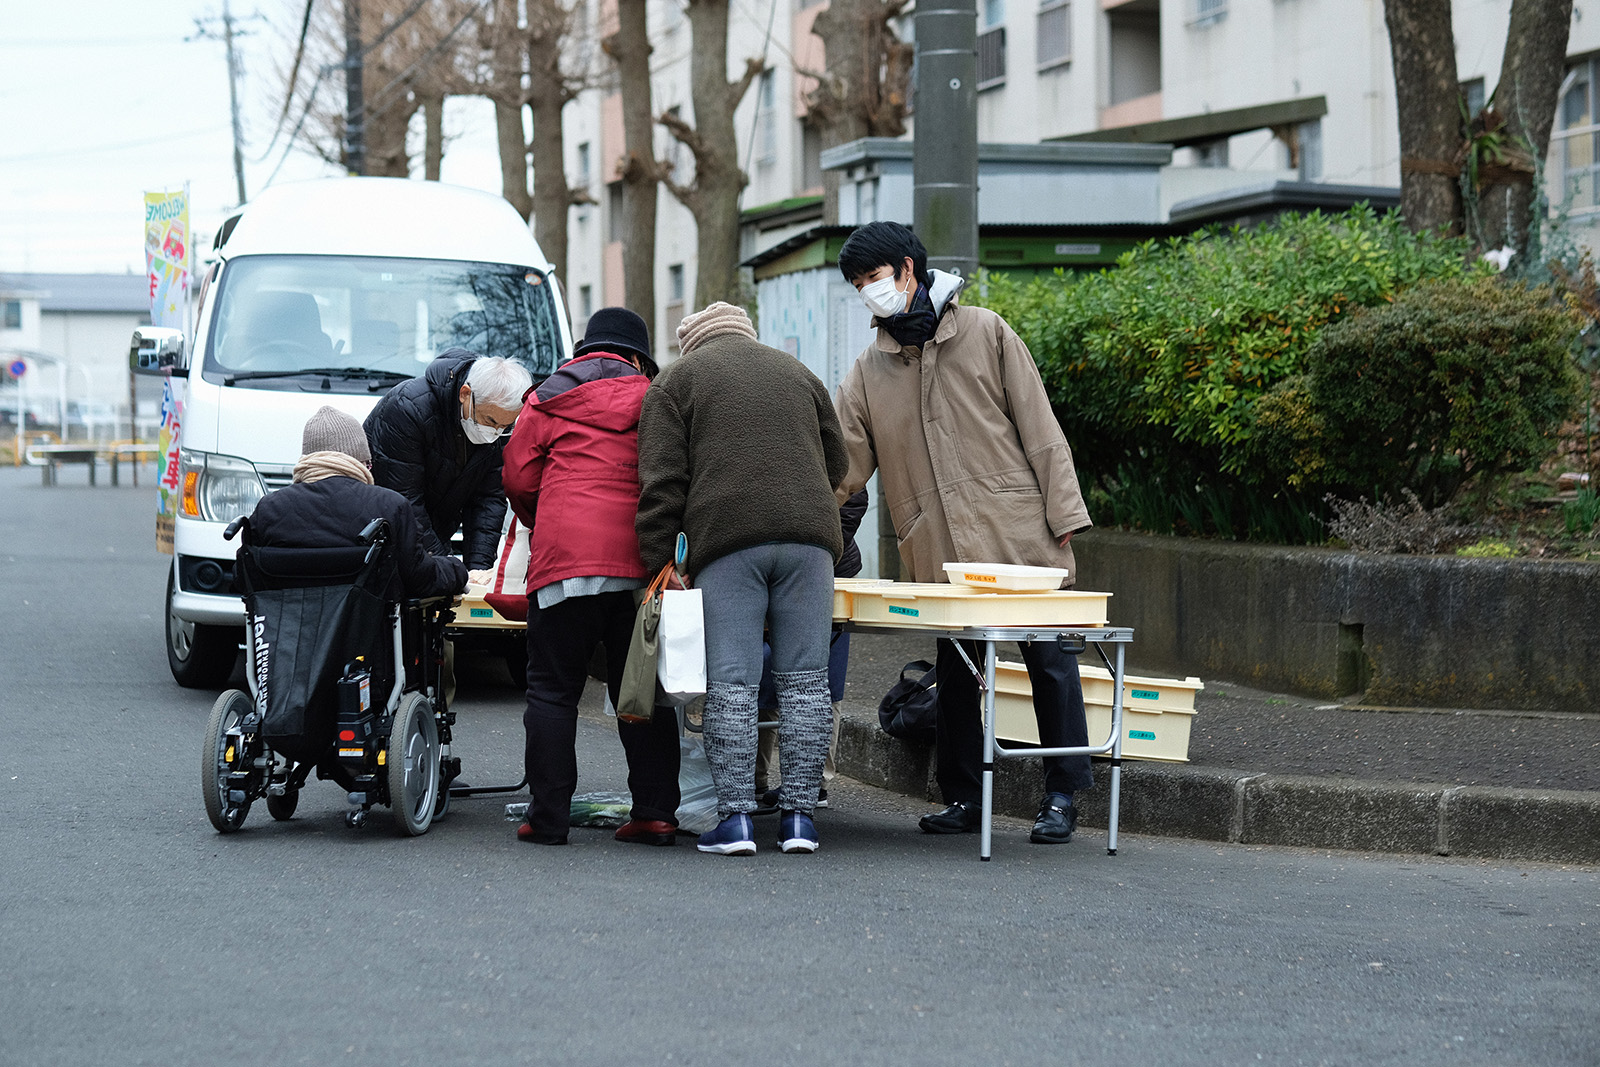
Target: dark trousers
{"points": [[561, 640], [1057, 702]]}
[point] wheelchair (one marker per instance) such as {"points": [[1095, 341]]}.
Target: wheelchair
{"points": [[343, 684]]}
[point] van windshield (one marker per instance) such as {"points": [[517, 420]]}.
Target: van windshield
{"points": [[360, 324]]}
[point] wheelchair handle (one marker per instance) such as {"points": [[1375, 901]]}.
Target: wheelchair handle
{"points": [[241, 523], [374, 531]]}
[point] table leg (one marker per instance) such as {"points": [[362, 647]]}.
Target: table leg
{"points": [[1116, 755], [985, 831]]}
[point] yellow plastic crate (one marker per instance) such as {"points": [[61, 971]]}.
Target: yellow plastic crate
{"points": [[473, 612], [842, 590], [1147, 694], [1150, 730], [957, 606]]}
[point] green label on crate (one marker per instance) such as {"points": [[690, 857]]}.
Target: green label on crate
{"points": [[895, 609], [483, 613], [1141, 735], [1145, 694]]}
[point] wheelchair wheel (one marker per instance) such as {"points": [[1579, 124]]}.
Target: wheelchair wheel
{"points": [[441, 807], [413, 765], [282, 808], [219, 758]]}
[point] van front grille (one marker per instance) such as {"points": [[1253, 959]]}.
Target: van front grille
{"points": [[275, 477]]}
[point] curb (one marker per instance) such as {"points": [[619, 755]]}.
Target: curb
{"points": [[1243, 807]]}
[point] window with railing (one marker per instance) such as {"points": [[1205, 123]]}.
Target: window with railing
{"points": [[675, 302], [1575, 143], [1207, 12], [992, 58], [1054, 35], [766, 146]]}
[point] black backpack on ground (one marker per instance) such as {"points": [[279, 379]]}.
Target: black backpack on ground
{"points": [[909, 708]]}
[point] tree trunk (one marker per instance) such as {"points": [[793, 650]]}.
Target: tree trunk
{"points": [[551, 198], [864, 90], [1427, 96], [505, 89], [433, 136], [630, 48], [386, 140], [713, 199], [513, 144], [1530, 80]]}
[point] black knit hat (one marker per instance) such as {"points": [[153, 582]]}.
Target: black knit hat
{"points": [[616, 330]]}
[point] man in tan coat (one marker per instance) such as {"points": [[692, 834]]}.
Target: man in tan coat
{"points": [[948, 407]]}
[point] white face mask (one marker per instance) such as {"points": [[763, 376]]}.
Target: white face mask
{"points": [[883, 298], [477, 433]]}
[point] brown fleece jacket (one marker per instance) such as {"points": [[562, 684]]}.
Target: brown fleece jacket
{"points": [[739, 445]]}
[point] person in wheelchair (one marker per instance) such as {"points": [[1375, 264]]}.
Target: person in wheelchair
{"points": [[344, 642], [333, 498]]}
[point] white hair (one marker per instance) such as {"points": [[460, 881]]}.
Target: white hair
{"points": [[499, 382]]}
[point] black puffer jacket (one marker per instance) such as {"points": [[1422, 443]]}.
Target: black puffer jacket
{"points": [[332, 512], [420, 451]]}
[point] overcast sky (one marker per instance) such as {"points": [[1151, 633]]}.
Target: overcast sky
{"points": [[104, 100]]}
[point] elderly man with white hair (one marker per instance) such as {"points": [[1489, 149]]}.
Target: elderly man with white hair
{"points": [[437, 440]]}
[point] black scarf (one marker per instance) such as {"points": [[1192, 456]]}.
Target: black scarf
{"points": [[917, 324]]}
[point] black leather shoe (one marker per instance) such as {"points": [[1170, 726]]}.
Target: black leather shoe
{"points": [[962, 817], [1057, 819]]}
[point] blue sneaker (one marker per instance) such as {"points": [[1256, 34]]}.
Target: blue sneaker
{"points": [[796, 832], [734, 836]]}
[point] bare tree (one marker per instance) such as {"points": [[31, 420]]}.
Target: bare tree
{"points": [[713, 197], [1474, 174], [864, 88], [558, 65], [1525, 101], [507, 60], [629, 48], [410, 61], [1427, 94]]}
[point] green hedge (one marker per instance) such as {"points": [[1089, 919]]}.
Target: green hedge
{"points": [[1452, 381], [1156, 366]]}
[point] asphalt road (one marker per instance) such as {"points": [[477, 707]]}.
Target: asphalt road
{"points": [[131, 933]]}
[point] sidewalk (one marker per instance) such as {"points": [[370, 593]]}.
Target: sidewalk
{"points": [[1271, 769]]}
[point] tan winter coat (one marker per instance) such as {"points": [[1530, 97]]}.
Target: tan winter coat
{"points": [[973, 463]]}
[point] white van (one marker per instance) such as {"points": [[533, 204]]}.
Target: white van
{"points": [[326, 292]]}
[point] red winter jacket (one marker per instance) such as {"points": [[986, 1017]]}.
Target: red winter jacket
{"points": [[572, 471]]}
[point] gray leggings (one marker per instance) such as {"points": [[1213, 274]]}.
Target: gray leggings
{"points": [[786, 589]]}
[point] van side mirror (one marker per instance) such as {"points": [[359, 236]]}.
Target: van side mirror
{"points": [[156, 349]]}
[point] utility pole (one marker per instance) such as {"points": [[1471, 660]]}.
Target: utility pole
{"points": [[944, 154], [230, 30], [355, 141]]}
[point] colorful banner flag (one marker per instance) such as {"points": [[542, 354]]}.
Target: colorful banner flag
{"points": [[166, 257], [169, 487]]}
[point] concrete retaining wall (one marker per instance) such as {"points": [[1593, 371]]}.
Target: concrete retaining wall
{"points": [[1431, 631]]}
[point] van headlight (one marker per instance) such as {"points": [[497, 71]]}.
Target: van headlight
{"points": [[219, 488]]}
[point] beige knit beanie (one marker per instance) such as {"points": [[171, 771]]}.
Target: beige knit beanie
{"points": [[331, 430], [720, 318]]}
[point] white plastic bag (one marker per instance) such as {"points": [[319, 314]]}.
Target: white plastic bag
{"points": [[681, 659], [697, 806]]}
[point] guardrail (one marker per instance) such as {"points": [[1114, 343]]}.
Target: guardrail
{"points": [[49, 458]]}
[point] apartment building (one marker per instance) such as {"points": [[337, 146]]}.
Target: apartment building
{"points": [[1249, 93]]}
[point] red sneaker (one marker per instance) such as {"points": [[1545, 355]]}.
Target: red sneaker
{"points": [[648, 832]]}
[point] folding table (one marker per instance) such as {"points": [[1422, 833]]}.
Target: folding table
{"points": [[1072, 638]]}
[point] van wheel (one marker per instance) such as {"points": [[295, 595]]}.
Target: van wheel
{"points": [[200, 657]]}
